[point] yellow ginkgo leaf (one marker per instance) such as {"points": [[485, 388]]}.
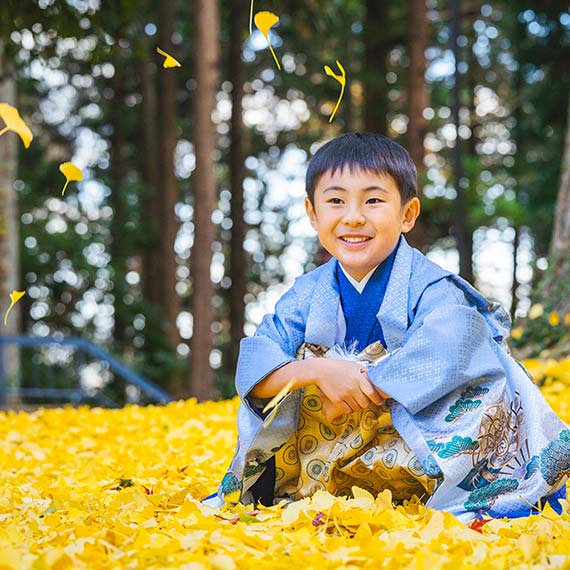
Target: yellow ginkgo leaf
{"points": [[516, 333], [272, 404], [342, 80], [15, 123], [251, 17], [71, 173], [15, 296], [279, 396], [554, 319], [535, 312], [264, 22], [567, 319], [169, 61]]}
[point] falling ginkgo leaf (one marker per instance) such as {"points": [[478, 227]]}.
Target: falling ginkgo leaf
{"points": [[15, 123], [71, 173], [251, 18], [554, 319], [535, 312], [169, 61], [341, 79], [264, 22], [15, 296], [273, 403]]}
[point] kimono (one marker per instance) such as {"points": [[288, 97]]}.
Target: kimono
{"points": [[467, 409]]}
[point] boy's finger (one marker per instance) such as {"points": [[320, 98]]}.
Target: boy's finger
{"points": [[357, 399], [377, 390], [374, 397], [371, 393]]}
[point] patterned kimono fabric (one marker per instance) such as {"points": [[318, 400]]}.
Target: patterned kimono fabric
{"points": [[362, 448]]}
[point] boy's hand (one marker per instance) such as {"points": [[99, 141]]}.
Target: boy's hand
{"points": [[345, 386]]}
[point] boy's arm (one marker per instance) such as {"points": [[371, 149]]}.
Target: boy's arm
{"points": [[448, 345], [273, 346], [302, 371]]}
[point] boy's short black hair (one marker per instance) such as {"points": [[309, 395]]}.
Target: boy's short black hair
{"points": [[375, 153]]}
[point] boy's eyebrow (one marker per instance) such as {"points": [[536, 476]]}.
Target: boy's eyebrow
{"points": [[368, 189]]}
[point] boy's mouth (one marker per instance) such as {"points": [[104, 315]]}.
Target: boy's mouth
{"points": [[355, 239]]}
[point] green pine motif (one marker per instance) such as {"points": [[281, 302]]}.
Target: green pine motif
{"points": [[461, 407]]}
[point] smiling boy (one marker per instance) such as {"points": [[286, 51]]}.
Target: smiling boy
{"points": [[418, 392]]}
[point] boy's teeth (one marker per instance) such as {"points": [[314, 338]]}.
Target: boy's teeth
{"points": [[354, 240]]}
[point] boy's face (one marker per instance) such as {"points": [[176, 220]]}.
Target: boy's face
{"points": [[360, 204]]}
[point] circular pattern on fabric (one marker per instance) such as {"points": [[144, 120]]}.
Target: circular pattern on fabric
{"points": [[312, 403], [369, 420], [339, 476], [279, 473], [340, 420], [314, 468], [326, 432], [308, 444], [385, 430], [360, 469], [290, 455], [301, 423], [344, 492], [380, 472], [415, 467], [356, 442], [368, 457], [347, 431], [389, 458]]}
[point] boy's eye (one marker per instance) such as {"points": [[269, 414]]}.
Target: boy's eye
{"points": [[338, 200]]}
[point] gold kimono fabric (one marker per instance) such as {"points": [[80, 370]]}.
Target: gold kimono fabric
{"points": [[362, 448]]}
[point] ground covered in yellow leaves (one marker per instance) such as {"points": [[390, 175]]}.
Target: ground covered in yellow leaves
{"points": [[92, 488]]}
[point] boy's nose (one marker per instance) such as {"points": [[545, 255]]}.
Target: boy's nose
{"points": [[354, 217]]}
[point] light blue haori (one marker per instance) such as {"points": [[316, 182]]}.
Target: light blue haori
{"points": [[467, 409]]}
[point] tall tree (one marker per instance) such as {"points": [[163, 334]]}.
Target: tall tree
{"points": [[417, 88], [377, 44], [9, 227], [118, 173], [554, 290], [462, 235], [238, 258], [169, 186], [417, 102], [152, 274], [201, 383]]}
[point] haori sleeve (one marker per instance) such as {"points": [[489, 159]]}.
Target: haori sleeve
{"points": [[448, 345], [273, 345]]}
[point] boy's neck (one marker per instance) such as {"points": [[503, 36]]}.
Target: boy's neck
{"points": [[362, 281]]}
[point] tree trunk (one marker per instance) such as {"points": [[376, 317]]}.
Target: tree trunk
{"points": [[462, 235], [517, 167], [417, 102], [374, 74], [9, 238], [117, 180], [152, 274], [238, 258], [554, 289], [417, 88], [169, 187], [207, 50]]}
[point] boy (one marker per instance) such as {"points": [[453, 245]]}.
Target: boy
{"points": [[432, 405]]}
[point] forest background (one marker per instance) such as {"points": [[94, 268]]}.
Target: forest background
{"points": [[189, 222]]}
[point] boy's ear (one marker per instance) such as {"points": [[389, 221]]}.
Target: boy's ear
{"points": [[410, 215], [311, 213]]}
